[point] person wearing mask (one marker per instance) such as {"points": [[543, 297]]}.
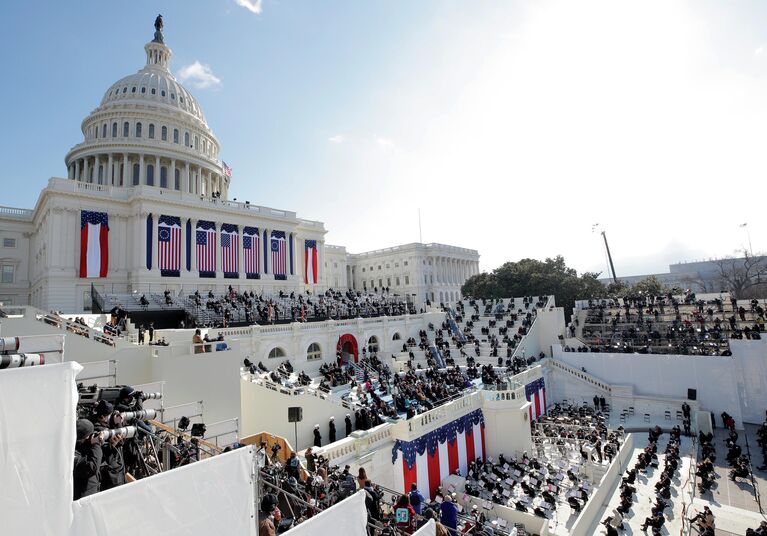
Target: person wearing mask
{"points": [[88, 456], [348, 422], [113, 466], [332, 430], [317, 436], [269, 517]]}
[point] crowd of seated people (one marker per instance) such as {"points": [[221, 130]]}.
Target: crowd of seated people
{"points": [[667, 324], [527, 484], [705, 468], [581, 426]]}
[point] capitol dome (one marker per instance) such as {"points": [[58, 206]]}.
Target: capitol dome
{"points": [[149, 130]]}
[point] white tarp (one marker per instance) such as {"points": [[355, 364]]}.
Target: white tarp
{"points": [[37, 442], [347, 518], [214, 496], [429, 529]]}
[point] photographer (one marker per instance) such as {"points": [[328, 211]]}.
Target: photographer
{"points": [[112, 467], [261, 456], [88, 456]]}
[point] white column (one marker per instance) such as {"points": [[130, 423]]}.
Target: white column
{"points": [[77, 169], [155, 230], [141, 231], [172, 175], [193, 240], [126, 172], [110, 171], [141, 170], [185, 181], [157, 171], [240, 253]]}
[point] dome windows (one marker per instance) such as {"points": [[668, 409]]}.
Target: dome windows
{"points": [[151, 131], [126, 128], [104, 131], [150, 175], [125, 89], [138, 130], [186, 139], [154, 91], [114, 130], [164, 133], [143, 90], [162, 93], [175, 135], [181, 99], [173, 96], [133, 90]]}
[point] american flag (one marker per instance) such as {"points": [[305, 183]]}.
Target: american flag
{"points": [[206, 246], [227, 170], [279, 253], [230, 250], [251, 248], [169, 244]]}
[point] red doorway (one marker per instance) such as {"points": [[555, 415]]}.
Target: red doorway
{"points": [[347, 346]]}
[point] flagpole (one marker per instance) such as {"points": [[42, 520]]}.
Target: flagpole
{"points": [[748, 235], [420, 235]]}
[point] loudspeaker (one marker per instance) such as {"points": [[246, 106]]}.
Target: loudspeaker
{"points": [[692, 394], [295, 414]]}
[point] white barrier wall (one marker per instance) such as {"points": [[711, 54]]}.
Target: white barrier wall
{"points": [[734, 384]]}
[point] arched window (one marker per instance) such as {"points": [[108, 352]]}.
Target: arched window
{"points": [[175, 135], [164, 134], [133, 90], [276, 352], [154, 91], [104, 131], [94, 131], [114, 130], [143, 90], [186, 139], [396, 337], [177, 181], [163, 177], [162, 93], [136, 174], [196, 143], [313, 352], [101, 175], [150, 175], [138, 130], [373, 344], [126, 128], [151, 131]]}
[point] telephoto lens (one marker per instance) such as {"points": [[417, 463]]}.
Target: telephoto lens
{"points": [[126, 431], [143, 415], [151, 396]]}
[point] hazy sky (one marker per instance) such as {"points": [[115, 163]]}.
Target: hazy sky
{"points": [[513, 126]]}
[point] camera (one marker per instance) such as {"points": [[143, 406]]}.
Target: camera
{"points": [[148, 396], [126, 431], [142, 415], [275, 448]]}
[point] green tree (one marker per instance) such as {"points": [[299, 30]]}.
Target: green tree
{"points": [[650, 286], [531, 277]]}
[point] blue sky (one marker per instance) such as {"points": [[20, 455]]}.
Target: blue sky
{"points": [[513, 126]]}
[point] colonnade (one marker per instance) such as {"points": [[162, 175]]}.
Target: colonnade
{"points": [[452, 271], [131, 169]]}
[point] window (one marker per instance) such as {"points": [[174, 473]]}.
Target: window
{"points": [[405, 263], [151, 131], [373, 344], [372, 283], [175, 135], [143, 90], [164, 134], [104, 131], [276, 352], [7, 274], [181, 99], [196, 143], [163, 177], [313, 352], [396, 337], [380, 283], [114, 130], [177, 181], [154, 91], [186, 139], [173, 96], [162, 93], [379, 266], [125, 90], [388, 281], [407, 280], [425, 279], [126, 128], [136, 173], [9, 242], [150, 175], [133, 90], [397, 281], [138, 130], [363, 268]]}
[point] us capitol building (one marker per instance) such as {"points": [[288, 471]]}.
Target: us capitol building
{"points": [[145, 207]]}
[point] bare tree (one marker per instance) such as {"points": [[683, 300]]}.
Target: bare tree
{"points": [[743, 276]]}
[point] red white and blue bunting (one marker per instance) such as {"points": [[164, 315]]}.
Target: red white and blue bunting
{"points": [[535, 392]]}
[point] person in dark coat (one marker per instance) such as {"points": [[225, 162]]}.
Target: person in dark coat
{"points": [[317, 436], [88, 455], [332, 430], [113, 466], [348, 422]]}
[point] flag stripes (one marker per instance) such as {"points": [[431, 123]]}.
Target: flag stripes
{"points": [[206, 248], [310, 262], [535, 392], [169, 245], [251, 252], [230, 250], [94, 244], [279, 257]]}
